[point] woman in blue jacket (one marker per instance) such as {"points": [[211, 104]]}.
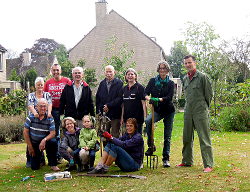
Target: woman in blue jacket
{"points": [[126, 151]]}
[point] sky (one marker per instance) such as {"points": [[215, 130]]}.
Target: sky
{"points": [[67, 21]]}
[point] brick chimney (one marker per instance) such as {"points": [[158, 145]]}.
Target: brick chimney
{"points": [[26, 59], [101, 11]]}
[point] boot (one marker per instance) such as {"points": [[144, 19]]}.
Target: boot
{"points": [[150, 151]]}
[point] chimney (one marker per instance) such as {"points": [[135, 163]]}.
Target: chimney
{"points": [[26, 59], [101, 11]]}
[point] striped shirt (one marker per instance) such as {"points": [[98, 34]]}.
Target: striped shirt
{"points": [[39, 129], [33, 100]]}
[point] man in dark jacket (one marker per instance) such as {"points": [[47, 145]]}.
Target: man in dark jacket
{"points": [[76, 99], [107, 100]]}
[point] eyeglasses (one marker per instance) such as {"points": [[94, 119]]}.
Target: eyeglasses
{"points": [[77, 73]]}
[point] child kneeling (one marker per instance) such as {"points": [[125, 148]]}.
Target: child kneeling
{"points": [[88, 139]]}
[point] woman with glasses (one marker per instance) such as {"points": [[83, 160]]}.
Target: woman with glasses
{"points": [[159, 92]]}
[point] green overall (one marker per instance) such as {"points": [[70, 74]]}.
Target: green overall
{"points": [[198, 95]]}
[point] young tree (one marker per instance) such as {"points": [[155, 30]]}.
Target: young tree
{"points": [[89, 73], [175, 59], [62, 57], [14, 76], [119, 58], [31, 76]]}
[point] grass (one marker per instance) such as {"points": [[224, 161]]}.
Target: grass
{"points": [[231, 173]]}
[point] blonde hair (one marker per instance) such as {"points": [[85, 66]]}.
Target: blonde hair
{"points": [[70, 119], [91, 120]]}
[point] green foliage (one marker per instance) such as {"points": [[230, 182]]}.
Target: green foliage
{"points": [[14, 76], [14, 103], [120, 56], [89, 73], [234, 118], [175, 59], [62, 57], [11, 128], [31, 76]]}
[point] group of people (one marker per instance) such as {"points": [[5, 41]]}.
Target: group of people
{"points": [[124, 105]]}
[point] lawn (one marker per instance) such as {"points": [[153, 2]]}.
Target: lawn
{"points": [[231, 171]]}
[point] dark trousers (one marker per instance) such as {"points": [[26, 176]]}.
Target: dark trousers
{"points": [[168, 126], [51, 148], [56, 115]]}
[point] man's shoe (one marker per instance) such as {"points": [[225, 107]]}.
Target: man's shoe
{"points": [[28, 164], [150, 151], [97, 171], [71, 168], [55, 168], [80, 168], [166, 163], [208, 170], [183, 165]]}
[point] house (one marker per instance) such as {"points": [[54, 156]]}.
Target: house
{"points": [[5, 85], [92, 48], [25, 62]]}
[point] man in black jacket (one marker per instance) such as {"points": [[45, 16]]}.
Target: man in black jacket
{"points": [[76, 99], [107, 99]]}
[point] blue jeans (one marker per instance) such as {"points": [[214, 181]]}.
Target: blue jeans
{"points": [[50, 148], [123, 160], [168, 126]]}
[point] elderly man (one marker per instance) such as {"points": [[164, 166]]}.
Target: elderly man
{"points": [[76, 99], [39, 134], [198, 94], [107, 99]]}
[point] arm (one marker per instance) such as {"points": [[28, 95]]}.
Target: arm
{"points": [[51, 135], [64, 143], [129, 143], [144, 108], [82, 142], [31, 104], [207, 90], [26, 136], [63, 100], [170, 93], [121, 121], [118, 100], [91, 143]]}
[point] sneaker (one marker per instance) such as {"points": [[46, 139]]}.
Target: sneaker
{"points": [[150, 151], [97, 171], [55, 168], [166, 163], [183, 165], [208, 170]]}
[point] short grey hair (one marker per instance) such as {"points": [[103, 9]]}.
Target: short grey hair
{"points": [[42, 100], [111, 67], [164, 63], [77, 68], [39, 79]]}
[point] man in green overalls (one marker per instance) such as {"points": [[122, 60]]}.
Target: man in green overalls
{"points": [[198, 95]]}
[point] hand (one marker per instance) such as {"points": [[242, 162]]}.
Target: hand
{"points": [[154, 101], [36, 115], [147, 97], [105, 108], [42, 145], [49, 115], [31, 150], [107, 135], [86, 148]]}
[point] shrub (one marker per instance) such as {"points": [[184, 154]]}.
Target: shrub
{"points": [[11, 128], [181, 102], [234, 118], [14, 103]]}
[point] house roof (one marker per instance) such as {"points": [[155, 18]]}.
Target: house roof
{"points": [[2, 49], [112, 11], [40, 64]]}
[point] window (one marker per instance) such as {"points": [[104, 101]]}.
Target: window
{"points": [[1, 62]]}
